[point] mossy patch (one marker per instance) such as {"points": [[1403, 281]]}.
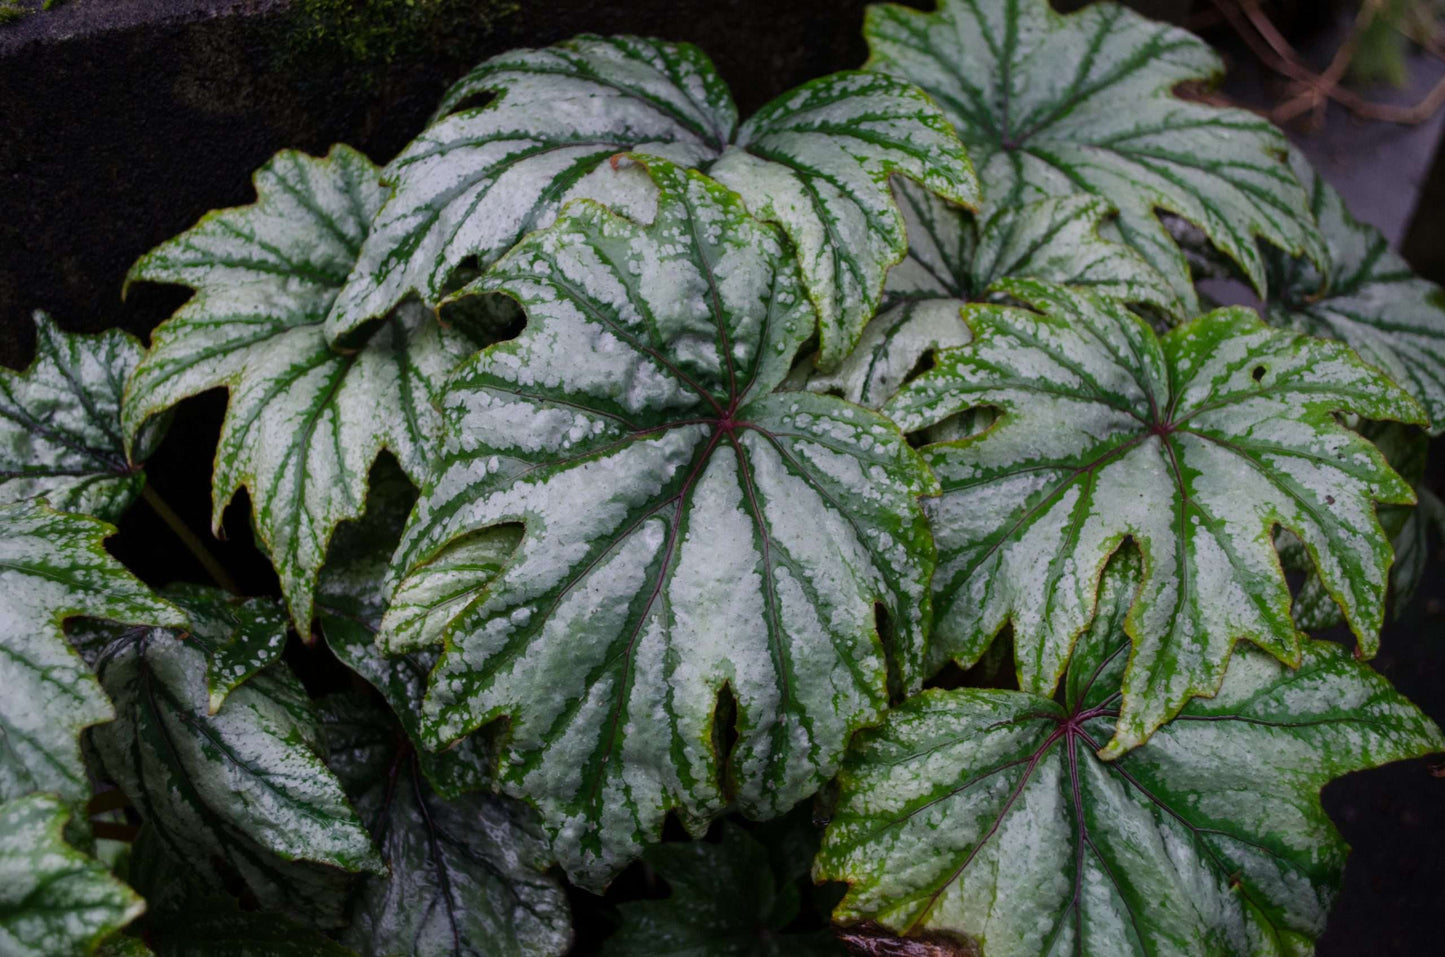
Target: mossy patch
{"points": [[374, 32]]}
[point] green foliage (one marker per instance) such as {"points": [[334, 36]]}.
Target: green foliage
{"points": [[53, 899], [60, 429], [737, 896], [622, 461], [687, 528], [1051, 105], [989, 813]]}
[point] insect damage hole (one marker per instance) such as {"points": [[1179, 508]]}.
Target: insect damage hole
{"points": [[725, 736]]}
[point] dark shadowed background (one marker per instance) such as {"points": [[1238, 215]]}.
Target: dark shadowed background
{"points": [[123, 121]]}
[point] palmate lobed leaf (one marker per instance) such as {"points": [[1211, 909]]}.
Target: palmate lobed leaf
{"points": [[988, 814], [1409, 527], [305, 421], [686, 529], [1370, 299], [1195, 446], [242, 791], [954, 258], [816, 160], [1051, 105], [53, 899], [60, 429], [54, 566], [465, 877]]}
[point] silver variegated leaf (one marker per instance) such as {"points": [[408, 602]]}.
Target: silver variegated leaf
{"points": [[952, 258], [816, 160], [240, 638], [54, 900], [955, 254], [60, 430], [1195, 446], [351, 599], [244, 791], [1051, 105], [305, 421], [466, 877], [988, 814], [1410, 529], [1370, 299], [687, 529], [54, 566]]}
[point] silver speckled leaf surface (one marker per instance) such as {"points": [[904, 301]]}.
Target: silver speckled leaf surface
{"points": [[466, 877], [1051, 105], [687, 528], [732, 898], [953, 258], [240, 638], [247, 785], [305, 421], [987, 813], [1410, 528], [1371, 300], [54, 900], [816, 160], [1195, 446], [54, 566], [60, 431]]}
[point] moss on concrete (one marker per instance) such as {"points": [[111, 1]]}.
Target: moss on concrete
{"points": [[374, 33]]}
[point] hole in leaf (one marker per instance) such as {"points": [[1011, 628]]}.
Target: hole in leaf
{"points": [[468, 269], [725, 735], [925, 362], [1258, 373], [485, 319], [473, 101], [960, 425], [888, 635]]}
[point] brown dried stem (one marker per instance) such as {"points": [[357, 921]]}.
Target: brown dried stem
{"points": [[1314, 91]]}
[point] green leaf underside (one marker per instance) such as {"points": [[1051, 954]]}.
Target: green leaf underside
{"points": [[60, 435], [54, 566], [953, 259], [351, 598], [1051, 105], [686, 529], [465, 877], [244, 790], [986, 812], [305, 421], [727, 899], [1195, 446], [53, 899], [816, 161], [1372, 300]]}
